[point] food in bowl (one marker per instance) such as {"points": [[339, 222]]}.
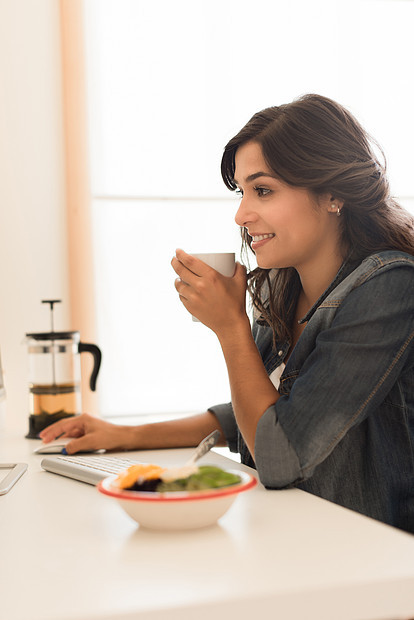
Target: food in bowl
{"points": [[197, 499], [153, 478]]}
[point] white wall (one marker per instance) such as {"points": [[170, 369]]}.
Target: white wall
{"points": [[33, 240]]}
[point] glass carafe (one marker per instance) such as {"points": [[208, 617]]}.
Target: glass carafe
{"points": [[55, 376]]}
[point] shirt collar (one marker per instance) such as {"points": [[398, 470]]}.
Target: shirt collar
{"points": [[345, 269]]}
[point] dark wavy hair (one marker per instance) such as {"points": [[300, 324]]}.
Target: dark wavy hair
{"points": [[316, 144]]}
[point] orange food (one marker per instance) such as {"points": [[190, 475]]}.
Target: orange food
{"points": [[143, 471]]}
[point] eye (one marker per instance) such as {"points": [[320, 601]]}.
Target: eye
{"points": [[262, 191]]}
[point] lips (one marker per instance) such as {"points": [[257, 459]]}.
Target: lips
{"points": [[259, 240]]}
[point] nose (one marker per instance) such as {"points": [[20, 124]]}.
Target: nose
{"points": [[244, 213]]}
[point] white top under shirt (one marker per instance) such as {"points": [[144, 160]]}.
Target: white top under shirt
{"points": [[276, 374]]}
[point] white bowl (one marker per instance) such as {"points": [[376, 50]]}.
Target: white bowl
{"points": [[177, 510]]}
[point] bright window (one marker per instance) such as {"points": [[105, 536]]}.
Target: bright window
{"points": [[169, 83]]}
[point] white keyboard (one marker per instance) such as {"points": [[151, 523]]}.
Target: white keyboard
{"points": [[89, 469]]}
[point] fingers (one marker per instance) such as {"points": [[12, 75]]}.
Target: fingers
{"points": [[70, 427], [86, 443], [189, 267], [181, 288], [190, 270], [83, 430], [52, 432]]}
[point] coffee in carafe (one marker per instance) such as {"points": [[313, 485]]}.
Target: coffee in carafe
{"points": [[55, 375], [54, 400]]}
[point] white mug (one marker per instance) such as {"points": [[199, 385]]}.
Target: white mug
{"points": [[223, 262]]}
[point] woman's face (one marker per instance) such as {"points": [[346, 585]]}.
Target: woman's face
{"points": [[288, 227]]}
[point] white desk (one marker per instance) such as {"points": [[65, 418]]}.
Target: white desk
{"points": [[68, 552]]}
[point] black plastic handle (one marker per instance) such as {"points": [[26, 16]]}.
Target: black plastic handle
{"points": [[97, 358]]}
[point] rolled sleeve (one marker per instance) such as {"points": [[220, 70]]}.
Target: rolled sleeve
{"points": [[225, 415], [283, 459]]}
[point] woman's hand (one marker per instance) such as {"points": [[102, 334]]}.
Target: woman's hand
{"points": [[89, 434], [216, 300]]}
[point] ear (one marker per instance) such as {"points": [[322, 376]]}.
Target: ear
{"points": [[333, 204]]}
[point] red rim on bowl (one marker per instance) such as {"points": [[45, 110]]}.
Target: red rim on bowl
{"points": [[107, 487]]}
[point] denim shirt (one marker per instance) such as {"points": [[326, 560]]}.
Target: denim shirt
{"points": [[343, 427]]}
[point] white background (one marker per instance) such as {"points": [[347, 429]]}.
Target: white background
{"points": [[33, 235]]}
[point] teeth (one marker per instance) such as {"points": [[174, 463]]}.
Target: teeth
{"points": [[261, 237]]}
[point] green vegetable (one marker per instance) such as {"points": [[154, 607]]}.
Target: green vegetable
{"points": [[208, 477]]}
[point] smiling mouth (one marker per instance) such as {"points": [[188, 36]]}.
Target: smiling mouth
{"points": [[256, 238]]}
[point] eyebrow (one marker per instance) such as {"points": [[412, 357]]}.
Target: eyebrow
{"points": [[256, 175]]}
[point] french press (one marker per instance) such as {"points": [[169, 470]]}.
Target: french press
{"points": [[55, 374]]}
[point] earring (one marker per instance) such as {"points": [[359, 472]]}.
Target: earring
{"points": [[336, 208]]}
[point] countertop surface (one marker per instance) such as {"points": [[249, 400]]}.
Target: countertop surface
{"points": [[70, 553]]}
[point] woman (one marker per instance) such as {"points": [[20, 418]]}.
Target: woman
{"points": [[322, 387]]}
